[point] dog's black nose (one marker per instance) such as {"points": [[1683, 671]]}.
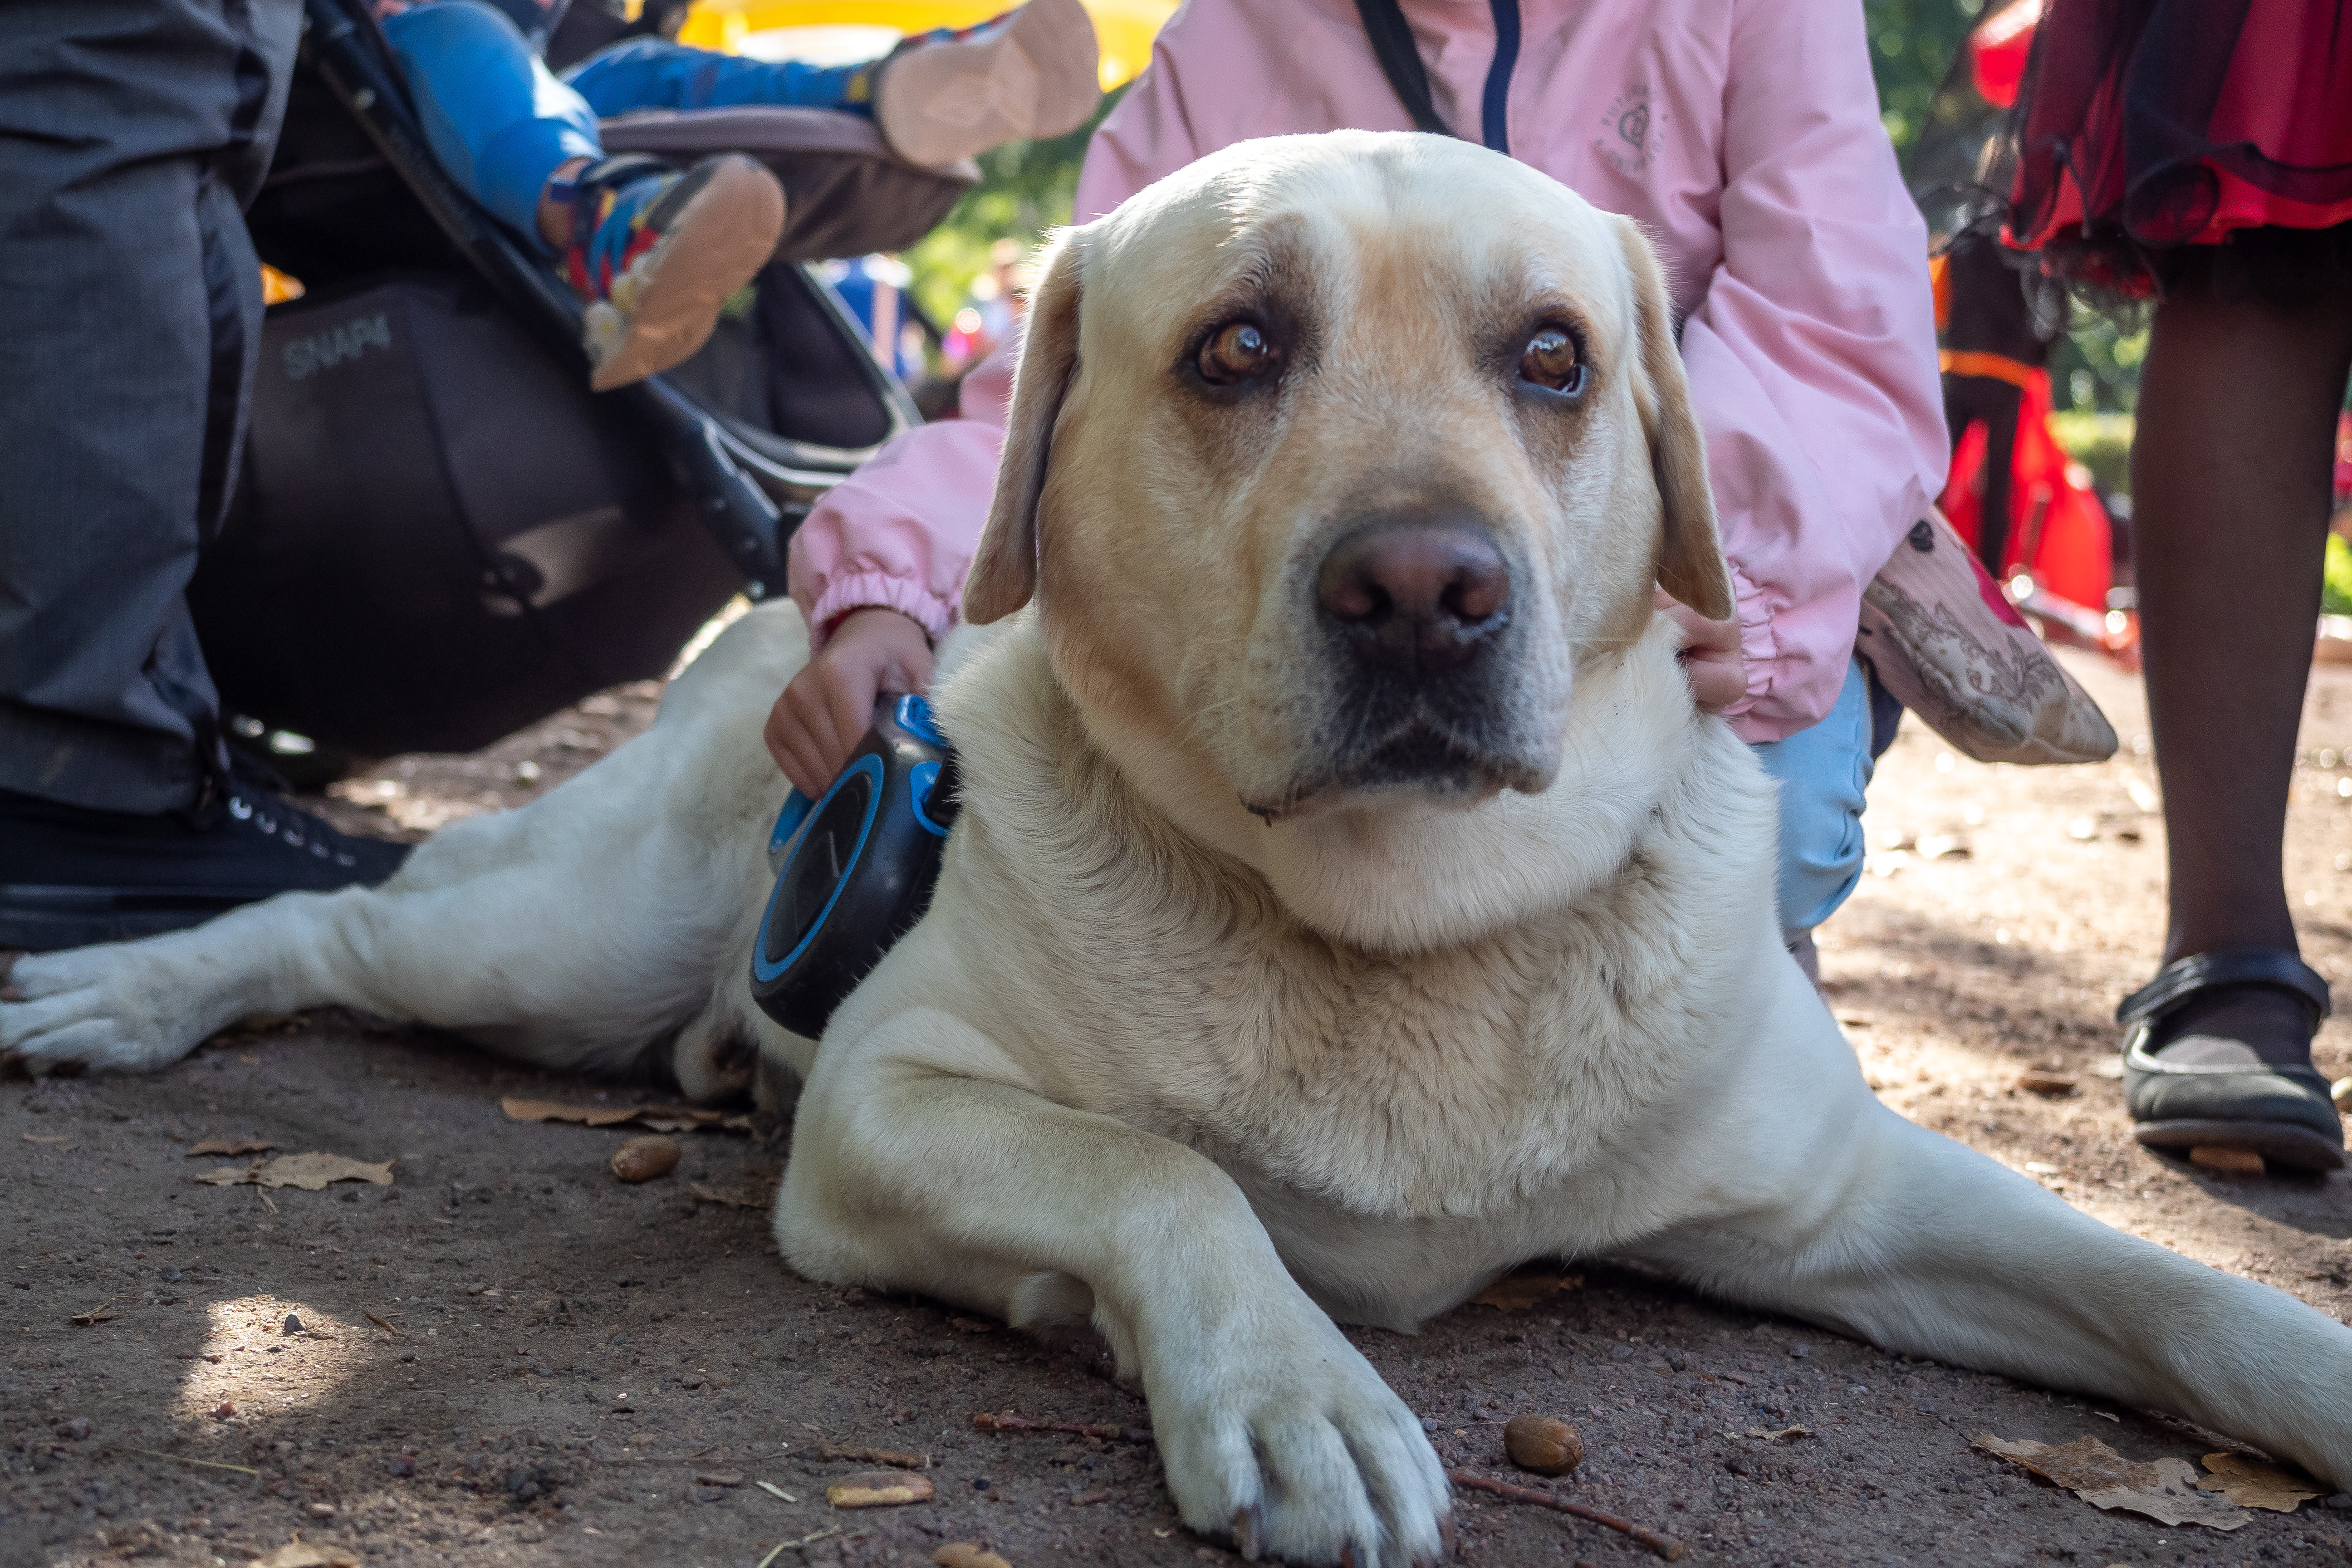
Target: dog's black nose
{"points": [[1415, 595]]}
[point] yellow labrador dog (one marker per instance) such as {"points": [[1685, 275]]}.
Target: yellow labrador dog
{"points": [[1348, 903]]}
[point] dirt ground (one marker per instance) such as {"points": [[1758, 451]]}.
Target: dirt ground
{"points": [[509, 1357]]}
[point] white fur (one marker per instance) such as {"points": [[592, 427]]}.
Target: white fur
{"points": [[1210, 1082]]}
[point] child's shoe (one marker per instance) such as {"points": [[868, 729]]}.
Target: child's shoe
{"points": [[1948, 645], [656, 254], [1030, 72]]}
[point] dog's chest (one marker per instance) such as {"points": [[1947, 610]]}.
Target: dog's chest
{"points": [[1455, 1084]]}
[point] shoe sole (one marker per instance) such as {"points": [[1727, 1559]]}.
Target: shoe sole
{"points": [[2278, 1143], [716, 242], [51, 920], [1042, 75]]}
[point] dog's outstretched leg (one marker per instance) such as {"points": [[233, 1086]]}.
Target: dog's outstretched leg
{"points": [[908, 1172], [502, 930], [575, 932], [1909, 1240]]}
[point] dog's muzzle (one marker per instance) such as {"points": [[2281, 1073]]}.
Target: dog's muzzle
{"points": [[1416, 608]]}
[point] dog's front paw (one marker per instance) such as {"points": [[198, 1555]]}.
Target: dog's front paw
{"points": [[1292, 1447], [84, 1008]]}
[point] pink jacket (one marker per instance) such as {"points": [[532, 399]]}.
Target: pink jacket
{"points": [[1744, 134]]}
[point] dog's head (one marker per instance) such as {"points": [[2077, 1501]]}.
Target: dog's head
{"points": [[1334, 460]]}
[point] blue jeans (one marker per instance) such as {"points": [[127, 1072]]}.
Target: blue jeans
{"points": [[1823, 772], [499, 123], [653, 73]]}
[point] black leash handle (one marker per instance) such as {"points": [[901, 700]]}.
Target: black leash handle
{"points": [[1400, 58]]}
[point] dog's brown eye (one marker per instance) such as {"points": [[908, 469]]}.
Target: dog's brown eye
{"points": [[1234, 352], [1550, 360]]}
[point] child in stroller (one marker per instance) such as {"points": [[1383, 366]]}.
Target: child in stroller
{"points": [[653, 251]]}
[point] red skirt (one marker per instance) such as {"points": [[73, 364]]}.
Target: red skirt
{"points": [[2151, 124]]}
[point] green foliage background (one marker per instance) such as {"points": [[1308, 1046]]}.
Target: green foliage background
{"points": [[1027, 186]]}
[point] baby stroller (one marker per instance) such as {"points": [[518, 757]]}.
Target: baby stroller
{"points": [[440, 534]]}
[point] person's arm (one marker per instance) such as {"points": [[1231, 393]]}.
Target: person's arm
{"points": [[899, 534], [1812, 353]]}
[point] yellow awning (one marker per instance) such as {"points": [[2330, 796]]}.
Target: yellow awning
{"points": [[1123, 29]]}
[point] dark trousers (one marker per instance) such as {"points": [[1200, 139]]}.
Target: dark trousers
{"points": [[1966, 400], [132, 132]]}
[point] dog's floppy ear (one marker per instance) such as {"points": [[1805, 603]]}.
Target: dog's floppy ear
{"points": [[1005, 573], [1690, 558]]}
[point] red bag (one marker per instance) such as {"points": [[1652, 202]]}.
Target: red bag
{"points": [[2057, 529]]}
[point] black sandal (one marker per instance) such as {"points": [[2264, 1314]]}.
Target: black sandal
{"points": [[2283, 1113]]}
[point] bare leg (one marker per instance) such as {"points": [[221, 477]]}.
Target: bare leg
{"points": [[2231, 478]]}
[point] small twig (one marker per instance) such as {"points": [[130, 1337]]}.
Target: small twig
{"points": [[208, 1464], [894, 1457], [774, 1490], [784, 1546], [379, 1323], [1008, 1422], [1667, 1546], [98, 1314]]}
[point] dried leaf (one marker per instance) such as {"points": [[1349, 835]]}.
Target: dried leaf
{"points": [[54, 1138], [2250, 1483], [231, 1146], [299, 1553], [312, 1172], [2163, 1490], [1786, 1434], [2043, 1080], [550, 1111], [658, 1118], [309, 1172], [718, 1478], [1517, 1292], [879, 1488], [736, 1197], [967, 1555]]}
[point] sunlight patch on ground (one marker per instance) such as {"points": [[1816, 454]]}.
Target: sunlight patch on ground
{"points": [[250, 1362]]}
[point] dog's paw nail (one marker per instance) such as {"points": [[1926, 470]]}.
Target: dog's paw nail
{"points": [[1247, 1527]]}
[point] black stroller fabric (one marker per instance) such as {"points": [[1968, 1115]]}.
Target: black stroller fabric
{"points": [[440, 534], [443, 536]]}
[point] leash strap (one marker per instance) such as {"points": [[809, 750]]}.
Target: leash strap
{"points": [[1400, 60]]}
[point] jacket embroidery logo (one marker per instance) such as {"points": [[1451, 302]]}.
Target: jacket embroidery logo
{"points": [[1630, 137], [324, 351]]}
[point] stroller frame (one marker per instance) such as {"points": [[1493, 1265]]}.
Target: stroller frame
{"points": [[750, 490]]}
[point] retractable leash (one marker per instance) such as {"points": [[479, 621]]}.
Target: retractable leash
{"points": [[854, 870]]}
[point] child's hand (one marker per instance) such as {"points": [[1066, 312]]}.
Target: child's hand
{"points": [[829, 706], [1711, 657]]}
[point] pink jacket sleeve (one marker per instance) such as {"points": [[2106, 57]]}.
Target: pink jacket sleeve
{"points": [[901, 530], [1813, 355]]}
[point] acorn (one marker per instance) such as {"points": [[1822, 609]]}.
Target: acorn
{"points": [[643, 1159], [1542, 1444]]}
